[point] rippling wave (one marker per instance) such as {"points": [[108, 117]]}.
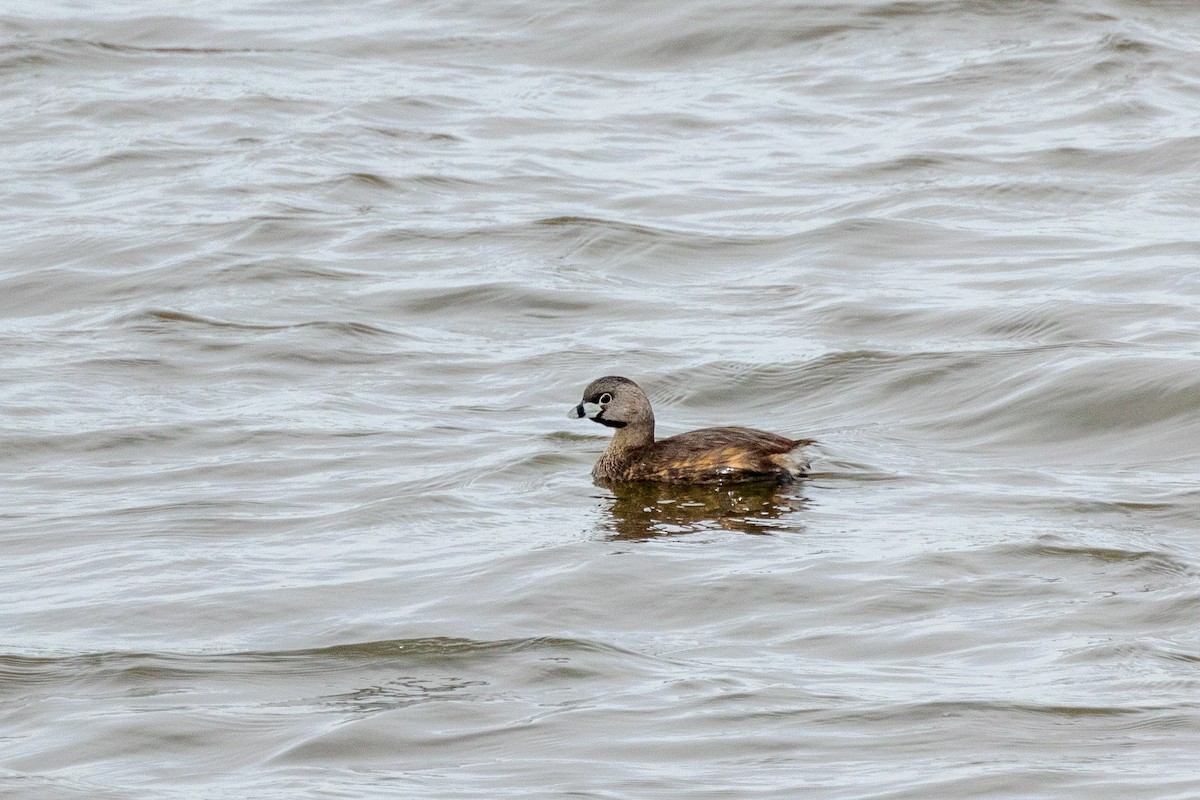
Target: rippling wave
{"points": [[293, 300]]}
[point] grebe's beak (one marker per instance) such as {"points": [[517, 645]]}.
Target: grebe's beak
{"points": [[589, 410]]}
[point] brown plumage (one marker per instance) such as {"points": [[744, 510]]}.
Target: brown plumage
{"points": [[711, 455]]}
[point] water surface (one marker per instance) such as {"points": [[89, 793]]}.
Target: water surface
{"points": [[294, 297]]}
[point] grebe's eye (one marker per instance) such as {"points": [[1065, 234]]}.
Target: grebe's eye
{"points": [[605, 399]]}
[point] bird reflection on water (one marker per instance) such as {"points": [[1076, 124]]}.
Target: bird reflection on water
{"points": [[649, 510]]}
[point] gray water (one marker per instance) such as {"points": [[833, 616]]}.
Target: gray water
{"points": [[294, 298]]}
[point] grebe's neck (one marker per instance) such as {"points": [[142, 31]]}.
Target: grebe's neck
{"points": [[625, 441], [638, 433]]}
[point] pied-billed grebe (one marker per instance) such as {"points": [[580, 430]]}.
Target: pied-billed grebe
{"points": [[711, 455]]}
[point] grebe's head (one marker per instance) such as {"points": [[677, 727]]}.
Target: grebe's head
{"points": [[614, 401]]}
